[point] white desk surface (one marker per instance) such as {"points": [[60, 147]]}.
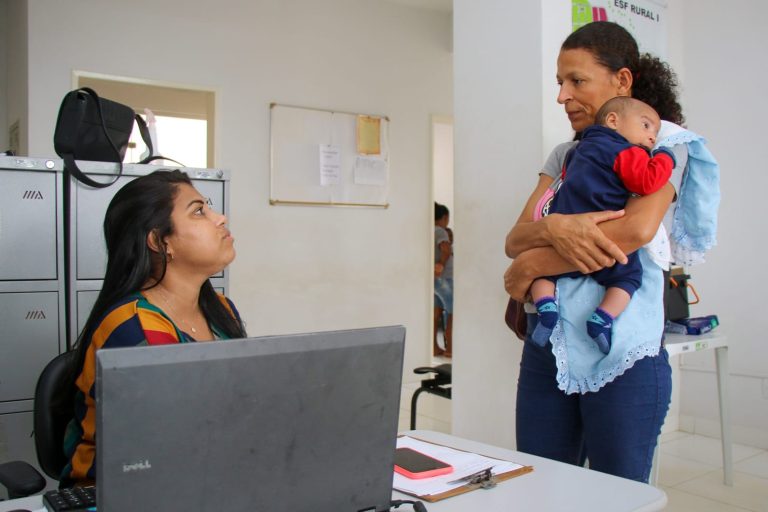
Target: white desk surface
{"points": [[552, 486], [688, 343]]}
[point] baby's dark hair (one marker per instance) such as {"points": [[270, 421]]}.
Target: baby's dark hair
{"points": [[620, 105]]}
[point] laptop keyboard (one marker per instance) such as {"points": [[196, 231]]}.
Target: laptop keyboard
{"points": [[76, 499]]}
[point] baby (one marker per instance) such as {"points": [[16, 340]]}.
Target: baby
{"points": [[611, 163]]}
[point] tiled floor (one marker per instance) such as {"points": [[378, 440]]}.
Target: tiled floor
{"points": [[691, 474], [690, 465]]}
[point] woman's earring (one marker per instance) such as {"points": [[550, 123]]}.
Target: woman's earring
{"points": [[170, 256]]}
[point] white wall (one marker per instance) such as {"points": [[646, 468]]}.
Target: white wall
{"points": [[17, 99], [497, 119], [723, 95], [298, 268], [442, 163], [3, 75]]}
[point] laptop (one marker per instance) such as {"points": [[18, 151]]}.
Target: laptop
{"points": [[297, 423]]}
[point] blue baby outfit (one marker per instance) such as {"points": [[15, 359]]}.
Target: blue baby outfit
{"points": [[591, 183]]}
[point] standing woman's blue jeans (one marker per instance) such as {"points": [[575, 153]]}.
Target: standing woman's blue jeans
{"points": [[616, 428]]}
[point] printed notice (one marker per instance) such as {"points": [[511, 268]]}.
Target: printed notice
{"points": [[370, 171], [330, 164], [368, 135]]}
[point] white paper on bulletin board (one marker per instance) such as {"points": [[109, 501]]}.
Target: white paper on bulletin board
{"points": [[301, 137]]}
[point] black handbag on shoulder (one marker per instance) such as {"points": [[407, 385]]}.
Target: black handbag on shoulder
{"points": [[94, 128]]}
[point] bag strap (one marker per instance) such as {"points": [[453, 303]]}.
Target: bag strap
{"points": [[69, 160], [159, 157], [144, 130]]}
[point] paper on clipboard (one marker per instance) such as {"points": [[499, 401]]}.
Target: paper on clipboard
{"points": [[464, 464]]}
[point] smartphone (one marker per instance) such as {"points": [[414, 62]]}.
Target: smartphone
{"points": [[414, 464]]}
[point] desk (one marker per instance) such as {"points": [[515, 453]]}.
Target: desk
{"points": [[684, 344], [551, 487]]}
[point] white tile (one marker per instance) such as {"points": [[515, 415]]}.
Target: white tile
{"points": [[706, 449], [679, 501], [673, 436], [434, 406], [404, 422], [674, 470], [755, 466], [427, 423], [749, 492]]}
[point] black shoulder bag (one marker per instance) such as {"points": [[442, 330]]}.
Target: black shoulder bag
{"points": [[94, 128]]}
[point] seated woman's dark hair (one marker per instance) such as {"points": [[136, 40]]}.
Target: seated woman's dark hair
{"points": [[141, 207], [613, 46]]}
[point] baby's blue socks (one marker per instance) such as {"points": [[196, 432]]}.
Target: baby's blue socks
{"points": [[599, 325], [599, 329], [548, 316]]}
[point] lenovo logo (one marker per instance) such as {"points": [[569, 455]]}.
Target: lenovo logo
{"points": [[35, 315], [32, 194]]}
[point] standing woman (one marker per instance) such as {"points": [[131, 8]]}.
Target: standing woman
{"points": [[574, 403], [163, 242]]}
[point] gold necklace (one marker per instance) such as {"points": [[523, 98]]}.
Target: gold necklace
{"points": [[173, 310]]}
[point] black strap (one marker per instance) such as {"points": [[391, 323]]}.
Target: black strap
{"points": [[144, 130], [159, 157]]}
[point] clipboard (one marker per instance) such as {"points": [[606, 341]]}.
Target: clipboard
{"points": [[500, 477]]}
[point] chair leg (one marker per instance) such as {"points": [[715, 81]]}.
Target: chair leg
{"points": [[413, 407]]}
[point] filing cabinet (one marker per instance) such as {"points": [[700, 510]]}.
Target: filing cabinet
{"points": [[32, 291]]}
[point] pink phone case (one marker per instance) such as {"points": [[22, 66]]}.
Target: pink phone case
{"points": [[425, 474]]}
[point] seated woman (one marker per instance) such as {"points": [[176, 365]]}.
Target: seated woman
{"points": [[163, 242]]}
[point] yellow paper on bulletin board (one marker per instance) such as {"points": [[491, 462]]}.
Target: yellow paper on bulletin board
{"points": [[368, 135]]}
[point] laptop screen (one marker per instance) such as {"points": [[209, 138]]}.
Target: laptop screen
{"points": [[301, 422]]}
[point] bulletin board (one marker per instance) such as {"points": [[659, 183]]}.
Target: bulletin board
{"points": [[326, 158]]}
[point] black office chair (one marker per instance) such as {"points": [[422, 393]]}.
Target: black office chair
{"points": [[439, 385], [53, 409]]}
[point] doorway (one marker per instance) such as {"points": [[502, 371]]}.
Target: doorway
{"points": [[442, 192]]}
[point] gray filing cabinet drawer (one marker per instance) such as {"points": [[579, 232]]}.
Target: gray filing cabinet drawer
{"points": [[27, 225], [85, 302], [16, 441], [91, 206], [29, 339]]}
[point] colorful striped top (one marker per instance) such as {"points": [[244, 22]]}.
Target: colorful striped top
{"points": [[132, 322]]}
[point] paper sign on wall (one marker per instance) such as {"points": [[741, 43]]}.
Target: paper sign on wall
{"points": [[370, 171], [330, 164], [644, 19]]}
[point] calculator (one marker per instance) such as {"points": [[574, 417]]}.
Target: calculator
{"points": [[75, 499]]}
